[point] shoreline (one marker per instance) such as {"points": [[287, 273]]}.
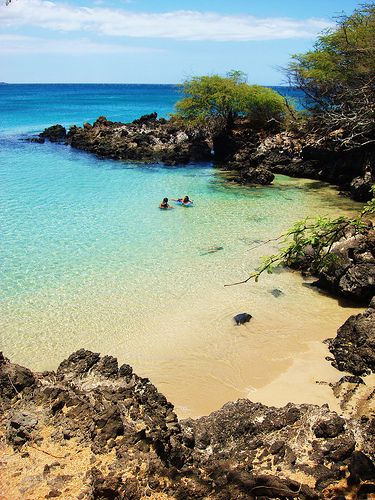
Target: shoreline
{"points": [[196, 355]]}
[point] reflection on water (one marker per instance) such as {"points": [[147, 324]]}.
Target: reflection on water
{"points": [[89, 260]]}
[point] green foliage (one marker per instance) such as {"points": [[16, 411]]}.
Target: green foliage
{"points": [[314, 238], [216, 102], [369, 208], [338, 80], [343, 56]]}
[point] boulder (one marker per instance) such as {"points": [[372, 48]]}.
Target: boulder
{"points": [[152, 117], [361, 468], [353, 347], [360, 187], [13, 379], [56, 133], [20, 427], [329, 428], [351, 273], [258, 175]]}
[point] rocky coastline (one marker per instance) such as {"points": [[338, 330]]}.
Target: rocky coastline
{"points": [[147, 139], [95, 430], [300, 154], [254, 157], [354, 346], [350, 276], [350, 270]]}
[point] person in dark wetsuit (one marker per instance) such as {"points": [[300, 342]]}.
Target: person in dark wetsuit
{"points": [[164, 204]]}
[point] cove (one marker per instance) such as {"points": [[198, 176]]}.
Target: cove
{"points": [[88, 260]]}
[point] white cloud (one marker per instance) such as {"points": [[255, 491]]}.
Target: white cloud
{"points": [[17, 44], [177, 25]]}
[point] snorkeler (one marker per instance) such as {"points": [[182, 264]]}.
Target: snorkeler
{"points": [[164, 204]]}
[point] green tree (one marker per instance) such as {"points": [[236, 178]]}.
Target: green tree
{"points": [[337, 77], [217, 101]]}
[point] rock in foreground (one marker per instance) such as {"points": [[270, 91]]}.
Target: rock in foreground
{"points": [[95, 430]]}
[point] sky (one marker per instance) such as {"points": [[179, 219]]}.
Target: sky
{"points": [[157, 41]]}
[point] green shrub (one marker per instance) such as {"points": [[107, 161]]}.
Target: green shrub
{"points": [[215, 102]]}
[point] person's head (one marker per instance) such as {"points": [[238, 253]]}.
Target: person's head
{"points": [[165, 200], [186, 199]]}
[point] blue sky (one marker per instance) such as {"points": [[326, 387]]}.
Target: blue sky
{"points": [[157, 41]]}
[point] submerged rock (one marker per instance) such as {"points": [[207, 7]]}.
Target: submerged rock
{"points": [[242, 318], [56, 133], [255, 176], [211, 249]]}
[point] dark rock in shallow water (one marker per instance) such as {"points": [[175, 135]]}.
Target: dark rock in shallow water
{"points": [[257, 175], [56, 133], [211, 249], [242, 318], [38, 140], [354, 346], [277, 293]]}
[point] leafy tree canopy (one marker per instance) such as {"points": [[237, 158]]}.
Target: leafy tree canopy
{"points": [[342, 56], [338, 77], [216, 102]]}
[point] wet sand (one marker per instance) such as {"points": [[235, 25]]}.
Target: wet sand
{"points": [[190, 347]]}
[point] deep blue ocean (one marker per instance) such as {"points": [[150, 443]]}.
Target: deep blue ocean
{"points": [[88, 260], [31, 107]]}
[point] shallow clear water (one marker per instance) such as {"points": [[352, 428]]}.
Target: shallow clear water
{"points": [[88, 260]]}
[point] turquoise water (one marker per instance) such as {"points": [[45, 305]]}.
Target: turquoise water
{"points": [[88, 260], [32, 107]]}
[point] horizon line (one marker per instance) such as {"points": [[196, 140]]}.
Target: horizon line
{"points": [[119, 83]]}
